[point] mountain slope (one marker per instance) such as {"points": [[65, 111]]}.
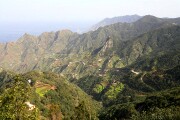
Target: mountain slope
{"points": [[158, 105], [107, 57], [52, 95], [119, 65], [65, 51], [24, 54]]}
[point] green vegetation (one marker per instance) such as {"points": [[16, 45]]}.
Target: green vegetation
{"points": [[41, 91], [114, 90], [52, 95], [133, 69], [157, 106], [55, 90], [98, 88], [12, 101]]}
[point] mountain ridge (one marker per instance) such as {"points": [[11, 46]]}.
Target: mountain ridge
{"points": [[109, 21], [127, 67], [53, 44]]}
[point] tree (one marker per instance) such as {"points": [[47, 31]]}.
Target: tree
{"points": [[81, 112], [13, 98]]}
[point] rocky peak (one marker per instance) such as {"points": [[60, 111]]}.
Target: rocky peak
{"points": [[27, 37]]}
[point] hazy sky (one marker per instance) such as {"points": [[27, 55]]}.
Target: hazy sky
{"points": [[83, 10], [37, 16]]}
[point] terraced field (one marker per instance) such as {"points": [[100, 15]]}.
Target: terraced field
{"points": [[42, 88]]}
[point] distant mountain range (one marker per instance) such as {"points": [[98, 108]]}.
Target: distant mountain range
{"points": [[109, 21], [120, 62]]}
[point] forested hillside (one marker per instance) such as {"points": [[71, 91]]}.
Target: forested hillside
{"points": [[52, 95], [127, 70]]}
